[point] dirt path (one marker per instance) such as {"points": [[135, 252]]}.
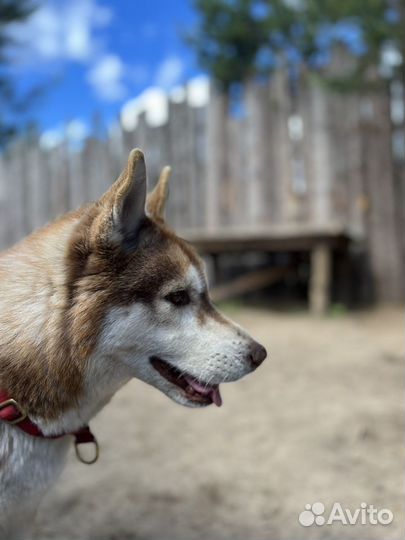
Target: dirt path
{"points": [[321, 421]]}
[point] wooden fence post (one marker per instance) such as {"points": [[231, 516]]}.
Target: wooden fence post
{"points": [[238, 172], [383, 236], [283, 204], [320, 180], [198, 119], [3, 205], [257, 152], [181, 152], [217, 159]]}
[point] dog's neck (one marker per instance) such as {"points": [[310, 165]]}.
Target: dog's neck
{"points": [[40, 366], [103, 379]]}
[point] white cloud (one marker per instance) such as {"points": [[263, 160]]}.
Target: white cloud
{"points": [[51, 138], [178, 94], [67, 30], [63, 30], [169, 72], [153, 101], [74, 133], [106, 78], [198, 91], [77, 130]]}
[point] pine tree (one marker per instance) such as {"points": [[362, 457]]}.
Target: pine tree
{"points": [[236, 39], [11, 11]]}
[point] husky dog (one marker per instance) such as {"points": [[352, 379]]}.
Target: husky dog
{"points": [[103, 294]]}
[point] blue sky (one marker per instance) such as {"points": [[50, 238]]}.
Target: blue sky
{"points": [[111, 57], [95, 55]]}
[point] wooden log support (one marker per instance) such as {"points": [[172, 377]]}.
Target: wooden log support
{"points": [[249, 282], [320, 278]]}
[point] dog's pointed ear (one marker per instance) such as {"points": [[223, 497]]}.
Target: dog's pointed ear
{"points": [[124, 202], [156, 200]]}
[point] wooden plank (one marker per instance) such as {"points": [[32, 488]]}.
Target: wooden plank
{"points": [[339, 165], [78, 188], [180, 149], [357, 197], [101, 175], [250, 282], [58, 181], [301, 148], [198, 119], [193, 172], [128, 140], [281, 238], [320, 181], [217, 160], [96, 165], [256, 152], [37, 207], [284, 203], [238, 172], [384, 242], [3, 204], [15, 223], [116, 154], [320, 278], [141, 134]]}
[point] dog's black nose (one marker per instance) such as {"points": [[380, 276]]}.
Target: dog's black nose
{"points": [[257, 354]]}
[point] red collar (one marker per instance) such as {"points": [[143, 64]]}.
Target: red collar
{"points": [[12, 413]]}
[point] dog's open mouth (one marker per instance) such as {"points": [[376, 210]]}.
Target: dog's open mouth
{"points": [[193, 389]]}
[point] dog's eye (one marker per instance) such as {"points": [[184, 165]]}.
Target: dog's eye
{"points": [[178, 298]]}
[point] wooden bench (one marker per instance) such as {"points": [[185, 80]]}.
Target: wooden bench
{"points": [[318, 241]]}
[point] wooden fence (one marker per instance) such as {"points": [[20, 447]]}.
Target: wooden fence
{"points": [[320, 159]]}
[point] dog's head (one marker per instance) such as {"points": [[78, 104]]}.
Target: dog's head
{"points": [[159, 321]]}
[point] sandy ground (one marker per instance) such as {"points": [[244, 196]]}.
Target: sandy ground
{"points": [[322, 420]]}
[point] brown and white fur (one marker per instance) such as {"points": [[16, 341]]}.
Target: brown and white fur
{"points": [[102, 295]]}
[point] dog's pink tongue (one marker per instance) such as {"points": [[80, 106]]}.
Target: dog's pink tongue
{"points": [[216, 396], [211, 391]]}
